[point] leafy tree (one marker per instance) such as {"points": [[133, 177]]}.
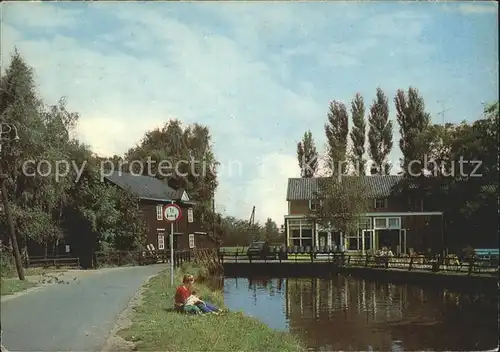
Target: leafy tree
{"points": [[272, 233], [380, 133], [307, 156], [413, 120], [342, 201], [182, 158], [336, 130], [358, 133], [44, 205]]}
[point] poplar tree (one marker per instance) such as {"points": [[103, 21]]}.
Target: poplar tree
{"points": [[380, 133]]}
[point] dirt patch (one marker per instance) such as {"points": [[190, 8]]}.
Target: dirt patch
{"points": [[115, 343]]}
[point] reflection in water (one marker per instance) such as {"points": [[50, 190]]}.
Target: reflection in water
{"points": [[344, 313]]}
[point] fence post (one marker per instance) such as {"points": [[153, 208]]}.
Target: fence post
{"points": [[471, 265], [366, 260], [410, 266]]}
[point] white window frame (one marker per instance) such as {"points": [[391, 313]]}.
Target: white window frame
{"points": [[159, 212], [313, 204], [191, 240], [161, 241], [375, 205], [388, 223], [375, 226], [302, 225]]}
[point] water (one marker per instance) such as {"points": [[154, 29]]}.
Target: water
{"points": [[345, 313]]}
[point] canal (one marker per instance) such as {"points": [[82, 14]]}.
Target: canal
{"points": [[346, 313]]}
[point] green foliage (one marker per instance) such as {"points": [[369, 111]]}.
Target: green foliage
{"points": [[380, 133], [470, 202], [307, 155], [232, 331], [342, 201], [358, 132], [43, 206], [336, 131], [182, 158], [413, 120]]}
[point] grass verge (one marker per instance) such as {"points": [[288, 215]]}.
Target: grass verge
{"points": [[10, 286], [156, 328]]}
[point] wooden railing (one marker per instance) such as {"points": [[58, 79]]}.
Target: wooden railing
{"points": [[338, 259], [120, 258], [52, 261]]}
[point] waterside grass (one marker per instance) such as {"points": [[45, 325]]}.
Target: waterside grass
{"points": [[155, 327]]}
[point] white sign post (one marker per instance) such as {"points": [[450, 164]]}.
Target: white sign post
{"points": [[171, 213]]}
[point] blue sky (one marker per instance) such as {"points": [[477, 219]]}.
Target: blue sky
{"points": [[258, 74]]}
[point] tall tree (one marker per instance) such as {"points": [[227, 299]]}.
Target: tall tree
{"points": [[358, 133], [413, 120], [182, 158], [336, 130], [307, 156], [380, 133], [342, 201]]}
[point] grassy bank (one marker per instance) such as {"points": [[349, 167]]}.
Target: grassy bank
{"points": [[10, 286], [156, 328]]}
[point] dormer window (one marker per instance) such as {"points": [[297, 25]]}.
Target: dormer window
{"points": [[315, 204], [380, 203]]}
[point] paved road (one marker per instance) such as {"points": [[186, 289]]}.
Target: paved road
{"points": [[72, 317]]}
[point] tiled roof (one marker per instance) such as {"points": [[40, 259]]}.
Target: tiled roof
{"points": [[377, 186], [144, 187]]}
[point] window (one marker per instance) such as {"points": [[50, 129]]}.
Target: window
{"points": [[161, 241], [315, 204], [380, 203], [159, 212], [301, 232], [365, 223], [191, 240], [380, 223], [352, 243], [394, 223]]}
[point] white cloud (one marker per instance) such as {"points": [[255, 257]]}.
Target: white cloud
{"points": [[483, 7], [231, 76], [267, 191]]}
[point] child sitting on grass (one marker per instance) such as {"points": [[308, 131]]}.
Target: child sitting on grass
{"points": [[194, 300]]}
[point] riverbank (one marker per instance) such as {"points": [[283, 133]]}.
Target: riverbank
{"points": [[156, 327], [445, 279]]}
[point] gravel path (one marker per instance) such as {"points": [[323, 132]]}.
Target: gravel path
{"points": [[75, 315]]}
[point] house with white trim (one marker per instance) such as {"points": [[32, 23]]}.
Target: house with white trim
{"points": [[399, 222]]}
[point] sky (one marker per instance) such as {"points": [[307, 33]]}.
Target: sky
{"points": [[257, 74]]}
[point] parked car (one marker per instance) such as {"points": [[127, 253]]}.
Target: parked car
{"points": [[260, 250]]}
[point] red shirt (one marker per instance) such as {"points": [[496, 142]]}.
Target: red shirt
{"points": [[181, 294]]}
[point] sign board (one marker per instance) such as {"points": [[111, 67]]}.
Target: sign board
{"points": [[171, 212], [190, 215], [67, 248]]}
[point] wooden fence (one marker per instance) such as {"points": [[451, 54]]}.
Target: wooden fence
{"points": [[111, 258], [467, 266], [52, 261]]}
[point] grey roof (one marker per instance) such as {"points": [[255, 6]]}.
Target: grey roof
{"points": [[377, 186], [144, 187]]}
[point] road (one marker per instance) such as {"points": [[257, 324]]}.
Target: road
{"points": [[72, 317]]}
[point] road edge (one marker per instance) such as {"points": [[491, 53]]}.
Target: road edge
{"points": [[114, 342]]}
